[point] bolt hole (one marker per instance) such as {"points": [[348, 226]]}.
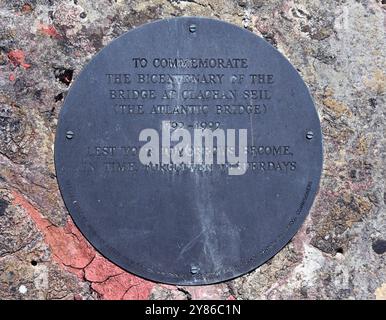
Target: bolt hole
{"points": [[339, 250], [34, 263]]}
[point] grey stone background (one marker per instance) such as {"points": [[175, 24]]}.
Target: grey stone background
{"points": [[339, 49]]}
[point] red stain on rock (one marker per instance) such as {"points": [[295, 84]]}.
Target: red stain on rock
{"points": [[69, 245], [17, 57], [72, 251], [139, 291], [48, 30], [12, 77], [66, 243], [123, 287], [42, 223]]}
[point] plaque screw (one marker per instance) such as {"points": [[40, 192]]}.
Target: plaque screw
{"points": [[194, 269], [192, 28], [309, 135], [69, 134]]}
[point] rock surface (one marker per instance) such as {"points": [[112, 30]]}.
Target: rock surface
{"points": [[339, 49]]}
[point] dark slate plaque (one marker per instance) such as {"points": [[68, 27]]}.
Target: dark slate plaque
{"points": [[188, 151]]}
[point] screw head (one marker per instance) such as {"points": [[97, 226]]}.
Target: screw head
{"points": [[192, 28], [194, 269], [309, 135], [69, 134]]}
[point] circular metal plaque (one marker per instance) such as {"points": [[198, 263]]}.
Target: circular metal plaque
{"points": [[188, 151]]}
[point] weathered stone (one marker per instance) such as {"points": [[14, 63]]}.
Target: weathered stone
{"points": [[338, 48]]}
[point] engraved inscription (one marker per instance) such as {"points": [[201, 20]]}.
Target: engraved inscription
{"points": [[213, 94]]}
